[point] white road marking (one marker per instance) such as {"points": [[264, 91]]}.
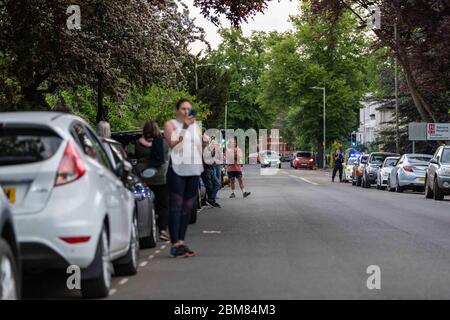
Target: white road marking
{"points": [[157, 251], [123, 281], [112, 291], [308, 181], [212, 231], [143, 264], [163, 247], [151, 256]]}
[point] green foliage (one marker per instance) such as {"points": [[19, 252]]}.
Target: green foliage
{"points": [[318, 55], [154, 103]]}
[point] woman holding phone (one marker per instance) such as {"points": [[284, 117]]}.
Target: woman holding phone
{"points": [[184, 137]]}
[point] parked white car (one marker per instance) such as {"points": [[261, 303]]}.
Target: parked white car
{"points": [[269, 159], [383, 174], [69, 207], [10, 273]]}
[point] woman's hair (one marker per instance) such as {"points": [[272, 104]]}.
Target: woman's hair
{"points": [[181, 101], [151, 130], [103, 129]]}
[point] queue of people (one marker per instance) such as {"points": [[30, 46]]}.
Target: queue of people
{"points": [[176, 174]]}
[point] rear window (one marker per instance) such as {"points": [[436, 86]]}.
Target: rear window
{"points": [[415, 159], [27, 145], [304, 155], [378, 158]]}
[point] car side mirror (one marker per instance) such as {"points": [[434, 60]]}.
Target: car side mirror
{"points": [[434, 161], [127, 167], [355, 163]]}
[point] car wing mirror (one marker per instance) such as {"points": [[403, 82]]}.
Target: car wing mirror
{"points": [[434, 161], [127, 167]]}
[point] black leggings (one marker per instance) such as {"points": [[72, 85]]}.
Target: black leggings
{"points": [[161, 205], [183, 192]]}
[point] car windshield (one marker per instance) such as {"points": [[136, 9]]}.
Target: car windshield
{"points": [[446, 156], [377, 158], [352, 160], [27, 145], [419, 159], [390, 162], [304, 155]]}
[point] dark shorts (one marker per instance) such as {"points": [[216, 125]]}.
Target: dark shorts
{"points": [[234, 174]]}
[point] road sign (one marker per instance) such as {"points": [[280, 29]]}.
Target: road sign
{"points": [[438, 131], [417, 131]]}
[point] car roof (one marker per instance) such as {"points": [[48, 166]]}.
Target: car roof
{"points": [[418, 155], [41, 117]]}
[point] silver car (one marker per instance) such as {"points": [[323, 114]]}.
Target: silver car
{"points": [[437, 180], [409, 173], [383, 174]]}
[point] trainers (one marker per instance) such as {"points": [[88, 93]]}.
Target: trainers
{"points": [[216, 205], [188, 252], [177, 251], [210, 202], [246, 194], [233, 195], [163, 236]]}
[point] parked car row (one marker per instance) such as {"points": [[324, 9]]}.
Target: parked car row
{"points": [[396, 173], [68, 197]]}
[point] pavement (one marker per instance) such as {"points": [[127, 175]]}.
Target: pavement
{"points": [[298, 236]]}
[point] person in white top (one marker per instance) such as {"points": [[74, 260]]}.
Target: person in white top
{"points": [[184, 138]]}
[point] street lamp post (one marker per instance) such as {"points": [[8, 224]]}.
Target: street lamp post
{"points": [[397, 138], [324, 123]]}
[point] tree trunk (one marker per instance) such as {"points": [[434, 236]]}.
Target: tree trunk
{"points": [[35, 98], [102, 114]]}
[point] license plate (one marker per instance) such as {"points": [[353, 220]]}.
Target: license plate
{"points": [[10, 194]]}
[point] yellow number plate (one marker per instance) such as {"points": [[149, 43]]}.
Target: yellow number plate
{"points": [[10, 194]]}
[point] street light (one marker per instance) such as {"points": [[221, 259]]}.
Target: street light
{"points": [[226, 111], [324, 123], [199, 66]]}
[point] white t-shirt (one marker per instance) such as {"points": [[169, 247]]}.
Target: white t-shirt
{"points": [[186, 156]]}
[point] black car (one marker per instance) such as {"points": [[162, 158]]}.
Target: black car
{"points": [[143, 196], [374, 163], [10, 274]]}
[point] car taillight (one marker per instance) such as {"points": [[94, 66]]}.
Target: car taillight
{"points": [[75, 240], [408, 169], [70, 168]]}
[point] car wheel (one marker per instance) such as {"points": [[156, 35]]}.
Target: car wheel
{"points": [[438, 194], [428, 192], [99, 286], [150, 241], [9, 275], [398, 187], [128, 265]]}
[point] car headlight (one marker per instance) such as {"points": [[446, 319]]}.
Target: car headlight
{"points": [[372, 169], [444, 171]]}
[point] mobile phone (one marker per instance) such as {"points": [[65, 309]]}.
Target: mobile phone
{"points": [[192, 112]]}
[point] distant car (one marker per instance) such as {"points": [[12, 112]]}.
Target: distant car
{"points": [[269, 159], [143, 196], [303, 159], [409, 173], [358, 170], [374, 163], [10, 271], [384, 172], [348, 168], [437, 177], [69, 206]]}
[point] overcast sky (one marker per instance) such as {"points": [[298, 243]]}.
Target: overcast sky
{"points": [[274, 18]]}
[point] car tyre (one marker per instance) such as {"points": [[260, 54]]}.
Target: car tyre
{"points": [[9, 274], [150, 241], [428, 191], [128, 265], [99, 286], [398, 187], [438, 194]]}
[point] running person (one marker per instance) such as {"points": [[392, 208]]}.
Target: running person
{"points": [[234, 169]]}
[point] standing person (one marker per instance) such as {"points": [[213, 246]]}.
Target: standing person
{"points": [[234, 169], [184, 137], [338, 161], [217, 166], [212, 184], [104, 129], [153, 152]]}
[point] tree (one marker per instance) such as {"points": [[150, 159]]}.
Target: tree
{"points": [[120, 45], [310, 57], [243, 59], [422, 46]]}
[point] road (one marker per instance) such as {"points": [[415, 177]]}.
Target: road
{"points": [[298, 236]]}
